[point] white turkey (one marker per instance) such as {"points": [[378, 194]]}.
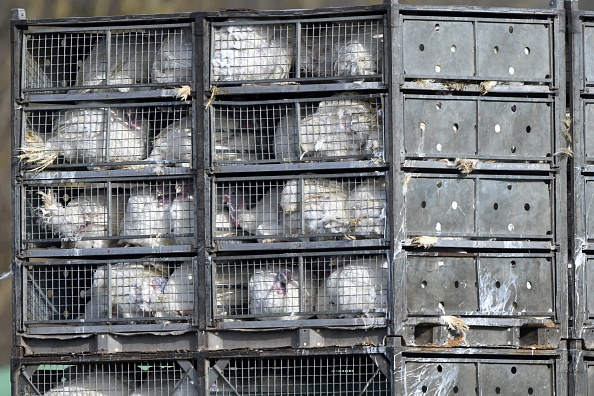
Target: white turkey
{"points": [[367, 206], [81, 136], [130, 58], [277, 291], [147, 219], [92, 384], [179, 291], [163, 384], [338, 128], [339, 50], [235, 139], [173, 143], [35, 76], [174, 58], [83, 222], [252, 52], [324, 209], [183, 214], [264, 218], [128, 290], [358, 288]]}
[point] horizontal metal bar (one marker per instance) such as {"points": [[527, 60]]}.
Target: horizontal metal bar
{"points": [[130, 250], [296, 88]]}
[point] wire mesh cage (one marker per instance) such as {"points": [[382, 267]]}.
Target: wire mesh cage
{"points": [[300, 286], [299, 208], [95, 59], [248, 49], [479, 206], [125, 378], [72, 293], [344, 374], [106, 136], [101, 214], [341, 127]]}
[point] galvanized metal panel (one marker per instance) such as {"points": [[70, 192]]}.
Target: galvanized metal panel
{"points": [[441, 378], [588, 53], [588, 129], [515, 128], [514, 50], [436, 205], [439, 127], [517, 378], [514, 207], [437, 48], [441, 284]]}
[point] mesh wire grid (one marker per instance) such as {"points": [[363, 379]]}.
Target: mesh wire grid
{"points": [[88, 215], [334, 48], [114, 136], [136, 378], [94, 59], [304, 375], [341, 127], [300, 287], [298, 208], [147, 290]]}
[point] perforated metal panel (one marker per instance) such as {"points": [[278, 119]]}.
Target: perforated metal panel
{"points": [[512, 378], [441, 378], [588, 68], [588, 141]]}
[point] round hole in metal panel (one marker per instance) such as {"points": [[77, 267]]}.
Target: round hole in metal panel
{"points": [[423, 126], [455, 127], [437, 27], [511, 29], [513, 149], [424, 389], [528, 129], [456, 284], [498, 390], [495, 206], [454, 205], [497, 284], [513, 263], [512, 71], [509, 186], [514, 369], [437, 69], [496, 49], [527, 50], [515, 305], [439, 184], [421, 47], [497, 128], [438, 105], [438, 147], [441, 305], [528, 285], [526, 207], [423, 204], [453, 48], [530, 391], [423, 284], [439, 368], [455, 389], [514, 108]]}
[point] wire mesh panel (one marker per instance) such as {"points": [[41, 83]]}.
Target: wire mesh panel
{"points": [[290, 287], [113, 136], [129, 378], [101, 214], [510, 129], [95, 292], [517, 375], [341, 127], [478, 48], [506, 207], [345, 374], [298, 209], [245, 49], [81, 60]]}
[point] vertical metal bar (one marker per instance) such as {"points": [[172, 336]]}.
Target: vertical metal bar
{"points": [[298, 45], [108, 56]]}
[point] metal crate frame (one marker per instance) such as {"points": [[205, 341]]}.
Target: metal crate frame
{"points": [[304, 365], [135, 370], [438, 326], [492, 371], [347, 14], [378, 319]]}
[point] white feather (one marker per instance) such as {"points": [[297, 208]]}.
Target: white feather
{"points": [[147, 214], [179, 291], [93, 384], [367, 205], [174, 58], [174, 142]]}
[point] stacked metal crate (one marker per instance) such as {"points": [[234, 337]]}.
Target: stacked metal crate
{"points": [[104, 175], [480, 193], [297, 185]]}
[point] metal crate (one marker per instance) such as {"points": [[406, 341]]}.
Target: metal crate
{"points": [[475, 47], [76, 57], [105, 292], [133, 377], [480, 299], [342, 127], [482, 372], [581, 370], [335, 372], [339, 288], [449, 207], [280, 47], [303, 210], [82, 216], [510, 129], [105, 136]]}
